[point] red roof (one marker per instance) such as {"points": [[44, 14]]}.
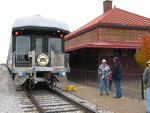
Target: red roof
{"points": [[108, 44], [115, 18], [118, 16]]}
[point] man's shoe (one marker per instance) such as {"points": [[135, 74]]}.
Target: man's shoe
{"points": [[107, 93], [101, 93]]}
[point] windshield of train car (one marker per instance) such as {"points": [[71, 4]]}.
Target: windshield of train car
{"points": [[55, 45], [22, 44]]}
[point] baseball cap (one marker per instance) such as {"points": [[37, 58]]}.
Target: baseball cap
{"points": [[148, 62], [103, 60]]}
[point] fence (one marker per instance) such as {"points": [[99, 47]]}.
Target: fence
{"points": [[83, 76]]}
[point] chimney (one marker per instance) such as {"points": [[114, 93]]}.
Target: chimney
{"points": [[107, 5]]}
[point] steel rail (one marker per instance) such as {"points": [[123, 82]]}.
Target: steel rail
{"points": [[83, 107], [36, 104]]}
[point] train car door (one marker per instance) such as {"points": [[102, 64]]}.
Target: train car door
{"points": [[38, 45]]}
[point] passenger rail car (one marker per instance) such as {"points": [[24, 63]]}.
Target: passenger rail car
{"points": [[36, 52]]}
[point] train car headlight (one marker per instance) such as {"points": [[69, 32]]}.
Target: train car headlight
{"points": [[42, 59]]}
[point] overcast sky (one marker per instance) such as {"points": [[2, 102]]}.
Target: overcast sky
{"points": [[75, 13]]}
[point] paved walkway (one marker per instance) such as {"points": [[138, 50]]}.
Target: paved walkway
{"points": [[126, 104]]}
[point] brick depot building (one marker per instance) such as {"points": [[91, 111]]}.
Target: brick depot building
{"points": [[114, 33]]}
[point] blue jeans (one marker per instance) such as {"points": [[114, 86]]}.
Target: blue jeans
{"points": [[148, 99], [118, 88], [104, 83]]}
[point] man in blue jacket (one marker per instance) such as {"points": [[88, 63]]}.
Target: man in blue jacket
{"points": [[117, 76]]}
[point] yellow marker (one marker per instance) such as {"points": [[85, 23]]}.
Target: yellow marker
{"points": [[71, 88]]}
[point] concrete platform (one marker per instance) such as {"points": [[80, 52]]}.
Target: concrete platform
{"points": [[92, 94]]}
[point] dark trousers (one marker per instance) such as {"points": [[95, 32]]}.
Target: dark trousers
{"points": [[110, 84], [118, 88]]}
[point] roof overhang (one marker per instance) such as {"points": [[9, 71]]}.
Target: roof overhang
{"points": [[108, 44]]}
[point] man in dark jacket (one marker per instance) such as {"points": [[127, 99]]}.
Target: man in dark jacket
{"points": [[117, 76]]}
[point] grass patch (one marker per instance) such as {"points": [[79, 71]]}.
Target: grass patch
{"points": [[137, 87]]}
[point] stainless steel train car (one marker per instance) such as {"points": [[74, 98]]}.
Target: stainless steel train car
{"points": [[36, 52]]}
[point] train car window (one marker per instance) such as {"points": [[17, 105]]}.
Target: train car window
{"points": [[22, 44], [55, 44], [39, 44]]}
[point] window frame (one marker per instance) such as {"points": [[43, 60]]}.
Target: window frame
{"points": [[61, 46], [27, 37]]}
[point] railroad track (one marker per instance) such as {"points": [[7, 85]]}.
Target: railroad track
{"points": [[25, 102], [55, 101]]}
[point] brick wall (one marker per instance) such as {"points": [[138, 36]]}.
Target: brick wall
{"points": [[114, 34], [84, 38]]}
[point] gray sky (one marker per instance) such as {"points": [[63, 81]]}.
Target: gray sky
{"points": [[75, 13]]}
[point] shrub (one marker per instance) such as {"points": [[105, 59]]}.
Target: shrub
{"points": [[143, 53]]}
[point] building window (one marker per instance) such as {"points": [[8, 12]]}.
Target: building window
{"points": [[131, 51], [117, 52]]}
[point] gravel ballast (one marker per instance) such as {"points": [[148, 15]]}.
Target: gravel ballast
{"points": [[9, 102]]}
